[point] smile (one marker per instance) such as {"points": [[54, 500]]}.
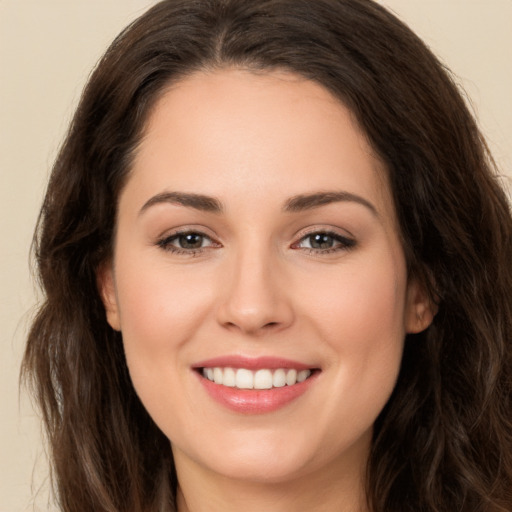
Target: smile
{"points": [[243, 378], [255, 385]]}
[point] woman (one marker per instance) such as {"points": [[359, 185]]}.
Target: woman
{"points": [[276, 265]]}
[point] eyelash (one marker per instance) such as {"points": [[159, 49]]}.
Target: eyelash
{"points": [[343, 243], [166, 243]]}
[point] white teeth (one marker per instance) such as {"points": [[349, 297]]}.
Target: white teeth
{"points": [[303, 375], [217, 375], [244, 379], [291, 377], [229, 377], [279, 378], [261, 379]]}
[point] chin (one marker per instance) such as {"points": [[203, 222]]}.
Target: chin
{"points": [[263, 469], [267, 457]]}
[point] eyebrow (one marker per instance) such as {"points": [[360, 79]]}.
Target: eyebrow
{"points": [[303, 202], [298, 203], [190, 200]]}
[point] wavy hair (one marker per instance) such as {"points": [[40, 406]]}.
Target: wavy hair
{"points": [[443, 443]]}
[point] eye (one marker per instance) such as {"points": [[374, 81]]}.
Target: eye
{"points": [[189, 242], [324, 242]]}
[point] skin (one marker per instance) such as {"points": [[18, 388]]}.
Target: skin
{"points": [[257, 288]]}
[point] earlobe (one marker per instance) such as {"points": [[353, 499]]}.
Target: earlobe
{"points": [[107, 290], [420, 310]]}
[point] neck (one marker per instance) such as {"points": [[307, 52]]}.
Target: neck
{"points": [[328, 490]]}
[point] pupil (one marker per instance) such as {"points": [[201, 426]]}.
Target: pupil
{"points": [[191, 241], [321, 241]]}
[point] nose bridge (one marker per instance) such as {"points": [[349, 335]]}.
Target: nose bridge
{"points": [[255, 299]]}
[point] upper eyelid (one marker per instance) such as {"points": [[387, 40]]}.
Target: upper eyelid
{"points": [[332, 230], [333, 234], [200, 230]]}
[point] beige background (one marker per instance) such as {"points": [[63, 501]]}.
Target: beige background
{"points": [[47, 49]]}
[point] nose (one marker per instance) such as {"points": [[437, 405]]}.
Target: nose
{"points": [[255, 297]]}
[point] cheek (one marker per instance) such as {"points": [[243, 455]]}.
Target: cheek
{"points": [[360, 317], [361, 307], [160, 308]]}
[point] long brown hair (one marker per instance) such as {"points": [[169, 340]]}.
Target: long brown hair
{"points": [[443, 443]]}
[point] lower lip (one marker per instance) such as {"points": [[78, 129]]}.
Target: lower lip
{"points": [[255, 401]]}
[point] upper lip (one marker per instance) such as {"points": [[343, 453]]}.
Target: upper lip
{"points": [[251, 363]]}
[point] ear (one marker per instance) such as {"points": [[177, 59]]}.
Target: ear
{"points": [[420, 309], [107, 289]]}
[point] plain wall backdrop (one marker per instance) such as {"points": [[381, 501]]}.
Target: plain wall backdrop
{"points": [[47, 50]]}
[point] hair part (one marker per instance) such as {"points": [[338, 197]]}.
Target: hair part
{"points": [[444, 440]]}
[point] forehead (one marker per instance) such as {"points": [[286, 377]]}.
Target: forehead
{"points": [[237, 131]]}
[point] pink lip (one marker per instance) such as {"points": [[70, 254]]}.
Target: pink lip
{"points": [[254, 401], [251, 363]]}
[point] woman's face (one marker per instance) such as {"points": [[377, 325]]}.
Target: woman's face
{"points": [[257, 245]]}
